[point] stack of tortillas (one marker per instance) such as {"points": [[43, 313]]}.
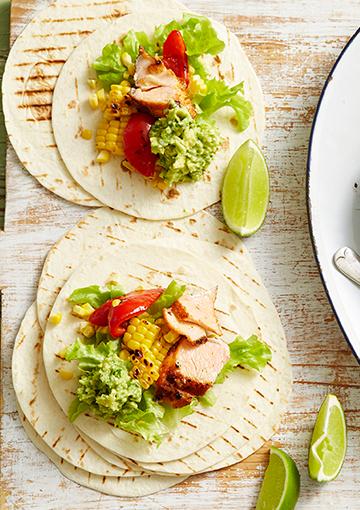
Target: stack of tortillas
{"points": [[249, 405], [45, 95]]}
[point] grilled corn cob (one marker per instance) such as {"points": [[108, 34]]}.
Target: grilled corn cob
{"points": [[109, 135], [148, 348]]}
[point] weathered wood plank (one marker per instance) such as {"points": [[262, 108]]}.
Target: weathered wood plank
{"points": [[292, 46]]}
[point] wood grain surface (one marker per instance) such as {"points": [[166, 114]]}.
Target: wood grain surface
{"points": [[293, 46]]}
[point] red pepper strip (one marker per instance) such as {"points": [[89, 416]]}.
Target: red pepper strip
{"points": [[175, 57], [131, 305], [137, 146], [99, 317]]}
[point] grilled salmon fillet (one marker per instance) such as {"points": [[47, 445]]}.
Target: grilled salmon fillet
{"points": [[156, 86], [192, 332], [198, 309], [189, 370]]}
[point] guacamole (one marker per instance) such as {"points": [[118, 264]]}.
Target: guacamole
{"points": [[185, 146]]}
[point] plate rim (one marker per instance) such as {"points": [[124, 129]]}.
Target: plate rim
{"points": [[309, 206]]}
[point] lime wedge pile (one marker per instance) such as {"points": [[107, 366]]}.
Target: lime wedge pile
{"points": [[245, 193], [281, 485], [328, 443]]}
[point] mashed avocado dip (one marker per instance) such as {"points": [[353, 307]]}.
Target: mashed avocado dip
{"points": [[185, 145]]}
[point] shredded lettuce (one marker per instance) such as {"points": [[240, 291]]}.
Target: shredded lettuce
{"points": [[95, 295], [251, 354], [219, 94], [171, 294]]}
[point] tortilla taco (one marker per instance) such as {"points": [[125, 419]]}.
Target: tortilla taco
{"points": [[146, 119], [163, 435]]}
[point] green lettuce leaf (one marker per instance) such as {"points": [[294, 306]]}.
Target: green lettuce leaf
{"points": [[108, 66], [132, 42], [76, 408], [171, 294], [173, 416], [145, 419], [94, 295], [251, 354], [219, 95], [90, 356], [209, 399], [198, 33]]}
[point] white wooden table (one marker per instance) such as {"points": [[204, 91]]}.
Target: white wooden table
{"points": [[292, 45]]}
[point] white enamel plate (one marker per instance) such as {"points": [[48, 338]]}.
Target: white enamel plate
{"points": [[334, 185]]}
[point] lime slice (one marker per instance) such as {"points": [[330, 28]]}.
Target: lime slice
{"points": [[328, 443], [281, 485], [245, 193]]}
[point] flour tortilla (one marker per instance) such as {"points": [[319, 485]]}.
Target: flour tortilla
{"points": [[154, 265], [43, 412], [115, 486], [103, 228], [127, 191], [31, 71]]}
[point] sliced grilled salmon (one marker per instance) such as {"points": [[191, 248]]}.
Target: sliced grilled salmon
{"points": [[156, 86], [198, 309], [192, 332], [189, 370]]}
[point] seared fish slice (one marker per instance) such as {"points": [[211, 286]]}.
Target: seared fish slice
{"points": [[156, 86], [189, 370]]}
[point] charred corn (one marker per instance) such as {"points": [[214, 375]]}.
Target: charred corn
{"points": [[109, 136], [148, 348]]}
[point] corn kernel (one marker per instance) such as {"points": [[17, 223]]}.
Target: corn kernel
{"points": [[126, 59], [124, 354], [66, 374], [111, 137], [103, 156], [93, 101], [101, 96], [116, 302], [82, 311], [133, 345], [88, 330], [55, 318], [86, 134], [92, 84]]}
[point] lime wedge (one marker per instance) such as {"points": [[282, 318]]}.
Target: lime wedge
{"points": [[245, 192], [281, 485], [328, 443]]}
